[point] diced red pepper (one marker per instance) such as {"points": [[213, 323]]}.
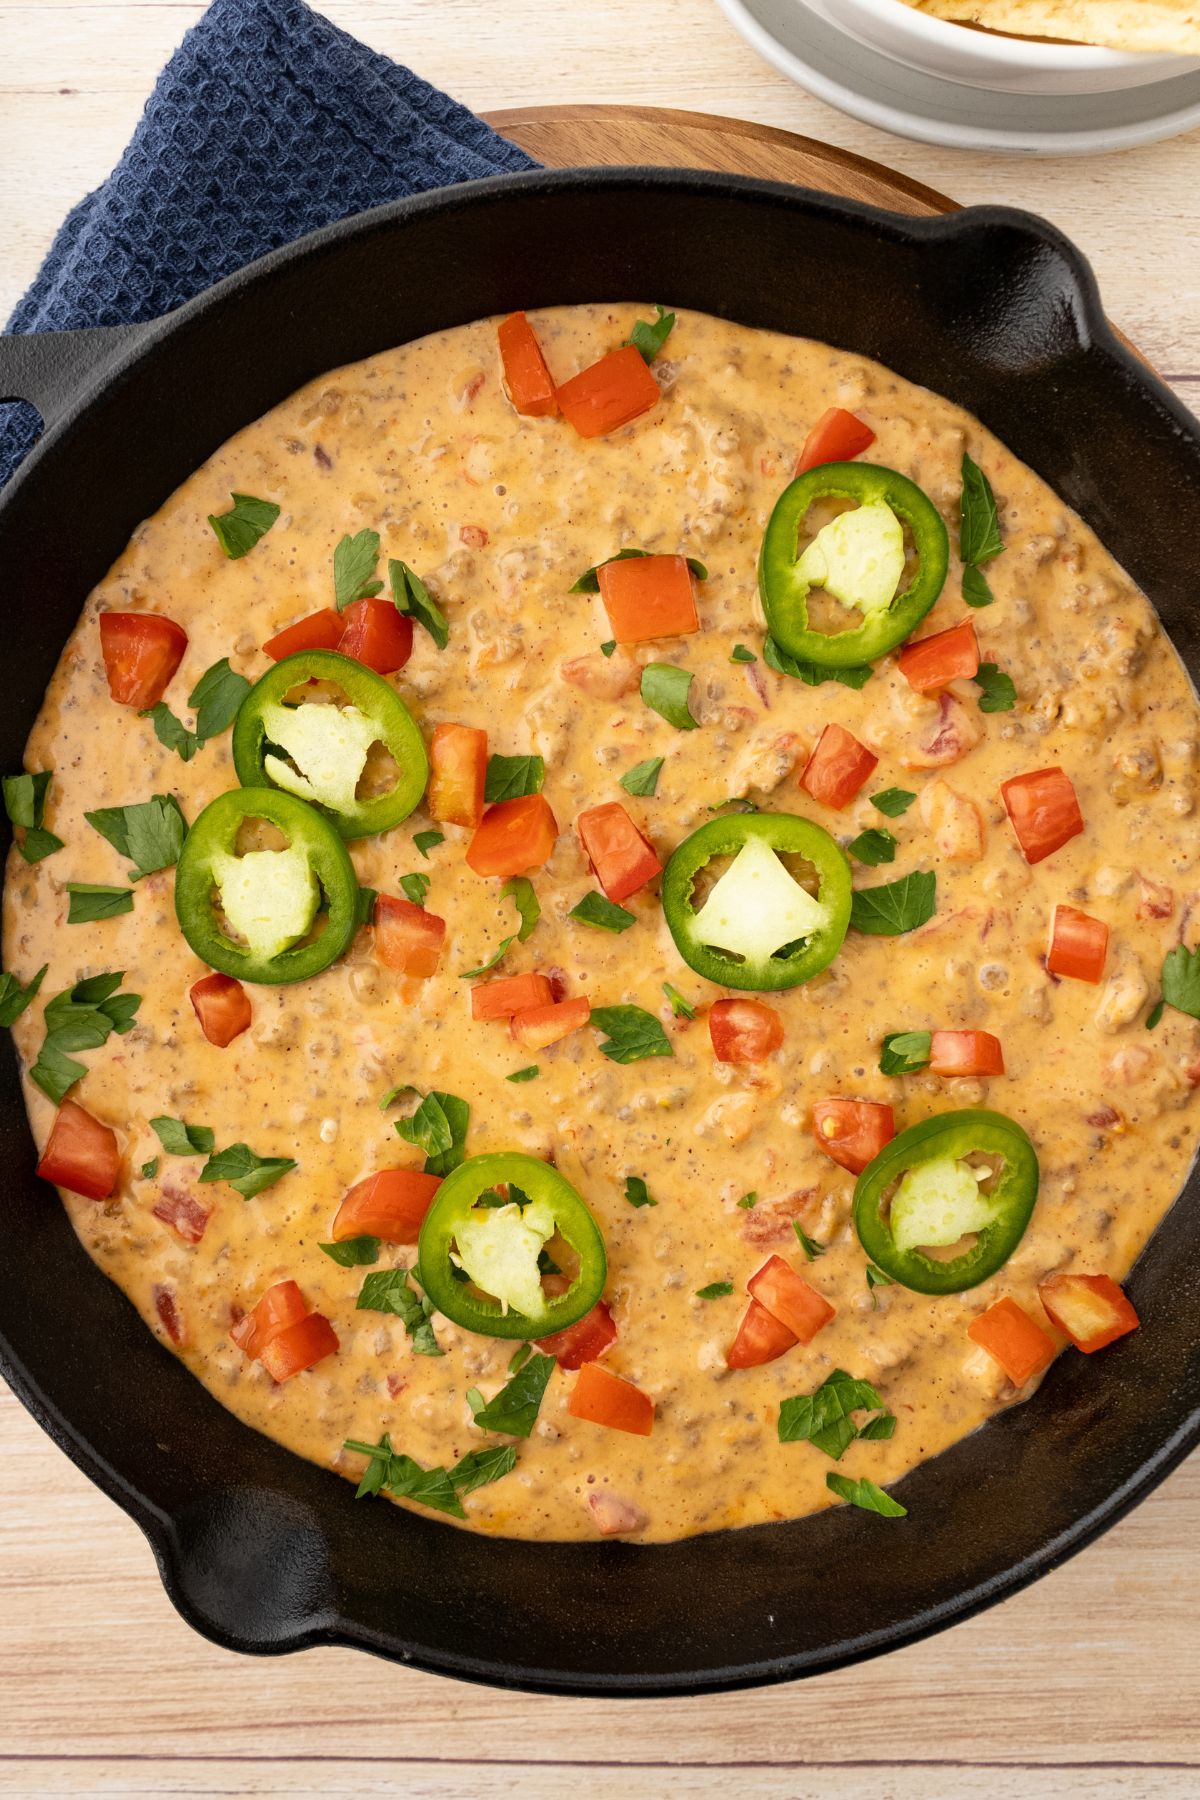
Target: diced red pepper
{"points": [[500, 999], [1044, 811], [514, 837], [623, 859], [1078, 945], [744, 1031], [584, 1342], [965, 1053], [537, 1027], [81, 1154], [457, 772], [605, 1399], [390, 1205], [297, 1347], [853, 1132], [946, 656], [183, 1213], [761, 1338], [141, 653], [837, 436], [609, 394], [790, 1299], [648, 597], [407, 937], [1091, 1309], [837, 768], [319, 631], [223, 1008], [529, 382], [1020, 1346], [375, 634], [280, 1306], [166, 1305]]}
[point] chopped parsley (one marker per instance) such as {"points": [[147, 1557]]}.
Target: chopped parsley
{"points": [[1155, 1014], [439, 1128], [876, 1278], [648, 339], [632, 1034], [413, 599], [740, 654], [515, 1408], [390, 1472], [637, 1193], [643, 777], [89, 902], [498, 954], [519, 889], [897, 906], [866, 1494], [716, 1290], [245, 1172], [416, 887], [809, 1245], [748, 1200], [511, 777], [150, 833], [81, 1018], [975, 589], [354, 561], [904, 1052], [178, 1139], [812, 674], [999, 693], [979, 524], [893, 801], [682, 1009], [665, 691], [823, 1418], [216, 698], [873, 846], [387, 1291], [352, 1253], [25, 804], [604, 914], [425, 841], [524, 1074], [14, 998], [1180, 981], [247, 520]]}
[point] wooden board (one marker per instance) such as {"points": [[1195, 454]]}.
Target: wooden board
{"points": [[1084, 1686]]}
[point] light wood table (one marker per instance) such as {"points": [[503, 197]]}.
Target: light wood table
{"points": [[1085, 1685]]}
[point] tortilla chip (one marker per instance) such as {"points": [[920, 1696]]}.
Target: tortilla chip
{"points": [[1171, 26]]}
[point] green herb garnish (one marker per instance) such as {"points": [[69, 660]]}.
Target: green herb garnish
{"points": [[354, 562], [247, 520], [897, 906], [150, 833], [716, 1290], [823, 1418], [809, 1245], [178, 1139], [387, 1291], [604, 914], [665, 691], [425, 841], [999, 693], [637, 1193], [413, 598], [514, 1409], [81, 1018], [975, 589], [812, 674], [866, 1494], [643, 777], [524, 1074], [904, 1052], [740, 654], [352, 1253], [893, 801], [519, 889], [439, 1128], [648, 339], [1180, 981], [171, 732], [511, 777], [748, 1200], [416, 887], [245, 1172], [873, 846], [89, 902], [632, 1034], [681, 1008], [25, 804], [14, 998]]}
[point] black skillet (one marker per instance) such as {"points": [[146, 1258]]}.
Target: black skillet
{"points": [[264, 1552]]}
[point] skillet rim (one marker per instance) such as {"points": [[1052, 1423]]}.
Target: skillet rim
{"points": [[118, 358]]}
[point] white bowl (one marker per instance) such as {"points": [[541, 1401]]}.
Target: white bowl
{"points": [[988, 60]]}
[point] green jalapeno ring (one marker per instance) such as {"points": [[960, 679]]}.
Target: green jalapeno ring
{"points": [[784, 598], [213, 836], [726, 836], [453, 1204], [374, 700], [956, 1135]]}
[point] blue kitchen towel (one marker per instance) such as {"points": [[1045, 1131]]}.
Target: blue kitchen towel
{"points": [[266, 123]]}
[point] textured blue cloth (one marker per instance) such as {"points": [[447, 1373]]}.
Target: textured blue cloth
{"points": [[266, 123]]}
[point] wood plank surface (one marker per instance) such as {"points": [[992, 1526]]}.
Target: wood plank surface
{"points": [[1086, 1684]]}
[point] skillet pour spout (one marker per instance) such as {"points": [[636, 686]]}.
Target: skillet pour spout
{"points": [[264, 1552]]}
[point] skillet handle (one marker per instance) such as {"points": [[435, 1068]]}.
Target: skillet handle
{"points": [[51, 369]]}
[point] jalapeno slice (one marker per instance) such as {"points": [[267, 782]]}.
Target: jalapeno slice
{"points": [[956, 1175], [758, 928], [482, 1239], [858, 558], [271, 900], [320, 751]]}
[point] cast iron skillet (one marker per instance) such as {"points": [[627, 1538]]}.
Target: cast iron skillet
{"points": [[264, 1552]]}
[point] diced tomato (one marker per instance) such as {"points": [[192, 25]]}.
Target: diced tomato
{"points": [[529, 383], [537, 1027], [457, 772], [853, 1132], [946, 656], [375, 634], [141, 653], [965, 1053], [1020, 1346], [514, 837], [500, 999], [837, 436], [183, 1213], [744, 1031], [584, 1342], [389, 1205], [223, 1008], [297, 1347], [837, 768], [1091, 1309], [648, 597], [1078, 945], [761, 1338], [280, 1306], [623, 859], [609, 394], [319, 631], [790, 1299], [407, 937], [1044, 811], [605, 1399], [167, 1307], [81, 1154]]}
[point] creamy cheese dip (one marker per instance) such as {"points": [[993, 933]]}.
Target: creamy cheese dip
{"points": [[500, 514]]}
